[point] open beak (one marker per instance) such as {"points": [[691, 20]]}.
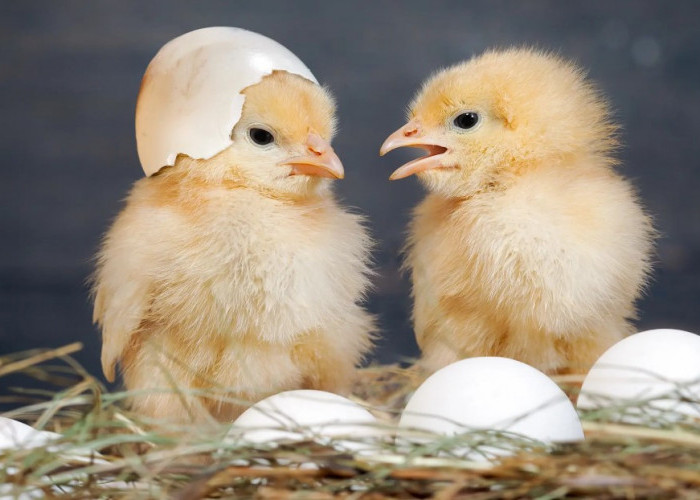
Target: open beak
{"points": [[411, 135], [320, 161]]}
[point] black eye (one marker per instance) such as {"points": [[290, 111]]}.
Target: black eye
{"points": [[261, 136], [466, 120]]}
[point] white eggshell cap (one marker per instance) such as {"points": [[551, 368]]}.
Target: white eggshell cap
{"points": [[190, 97]]}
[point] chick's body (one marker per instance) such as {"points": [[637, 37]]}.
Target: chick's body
{"points": [[529, 245], [232, 276], [528, 273]]}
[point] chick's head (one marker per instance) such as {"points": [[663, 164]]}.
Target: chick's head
{"points": [[492, 117], [281, 143]]}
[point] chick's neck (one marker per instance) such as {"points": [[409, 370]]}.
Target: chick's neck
{"points": [[190, 176]]}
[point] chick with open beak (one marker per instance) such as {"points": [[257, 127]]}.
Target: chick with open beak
{"points": [[528, 244], [413, 135]]}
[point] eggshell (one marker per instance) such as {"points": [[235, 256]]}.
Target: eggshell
{"points": [[492, 393], [652, 375], [307, 415], [17, 435], [190, 96]]}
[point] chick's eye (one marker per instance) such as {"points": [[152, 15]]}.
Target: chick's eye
{"points": [[261, 137], [466, 120]]}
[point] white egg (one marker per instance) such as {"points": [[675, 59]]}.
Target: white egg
{"points": [[190, 96], [307, 415], [491, 393], [17, 435], [650, 377]]}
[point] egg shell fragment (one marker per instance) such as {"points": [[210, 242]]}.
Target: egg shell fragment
{"points": [[190, 97]]}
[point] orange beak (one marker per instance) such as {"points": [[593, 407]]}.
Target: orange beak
{"points": [[321, 160], [412, 135]]}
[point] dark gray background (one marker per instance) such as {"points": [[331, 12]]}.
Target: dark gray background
{"points": [[70, 72]]}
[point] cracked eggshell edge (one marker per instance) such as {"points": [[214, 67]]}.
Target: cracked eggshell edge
{"points": [[190, 97]]}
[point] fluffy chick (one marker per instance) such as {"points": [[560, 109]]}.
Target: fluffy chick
{"points": [[528, 245], [240, 275]]}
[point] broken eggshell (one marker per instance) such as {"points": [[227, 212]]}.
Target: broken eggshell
{"points": [[190, 97]]}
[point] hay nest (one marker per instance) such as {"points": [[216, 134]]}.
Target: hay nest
{"points": [[106, 452]]}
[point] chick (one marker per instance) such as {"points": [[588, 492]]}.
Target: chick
{"points": [[528, 245], [239, 275]]}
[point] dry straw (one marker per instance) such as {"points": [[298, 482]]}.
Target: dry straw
{"points": [[107, 452]]}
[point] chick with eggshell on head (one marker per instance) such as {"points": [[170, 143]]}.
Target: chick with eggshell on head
{"points": [[195, 88], [232, 270]]}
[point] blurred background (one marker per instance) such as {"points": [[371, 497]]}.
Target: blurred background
{"points": [[70, 73]]}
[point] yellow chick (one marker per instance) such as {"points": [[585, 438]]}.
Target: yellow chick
{"points": [[528, 245], [239, 275]]}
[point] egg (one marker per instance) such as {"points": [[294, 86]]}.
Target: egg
{"points": [[303, 415], [14, 434], [492, 393], [190, 96], [650, 377]]}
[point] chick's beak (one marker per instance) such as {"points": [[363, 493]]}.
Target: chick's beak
{"points": [[412, 135], [321, 160]]}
